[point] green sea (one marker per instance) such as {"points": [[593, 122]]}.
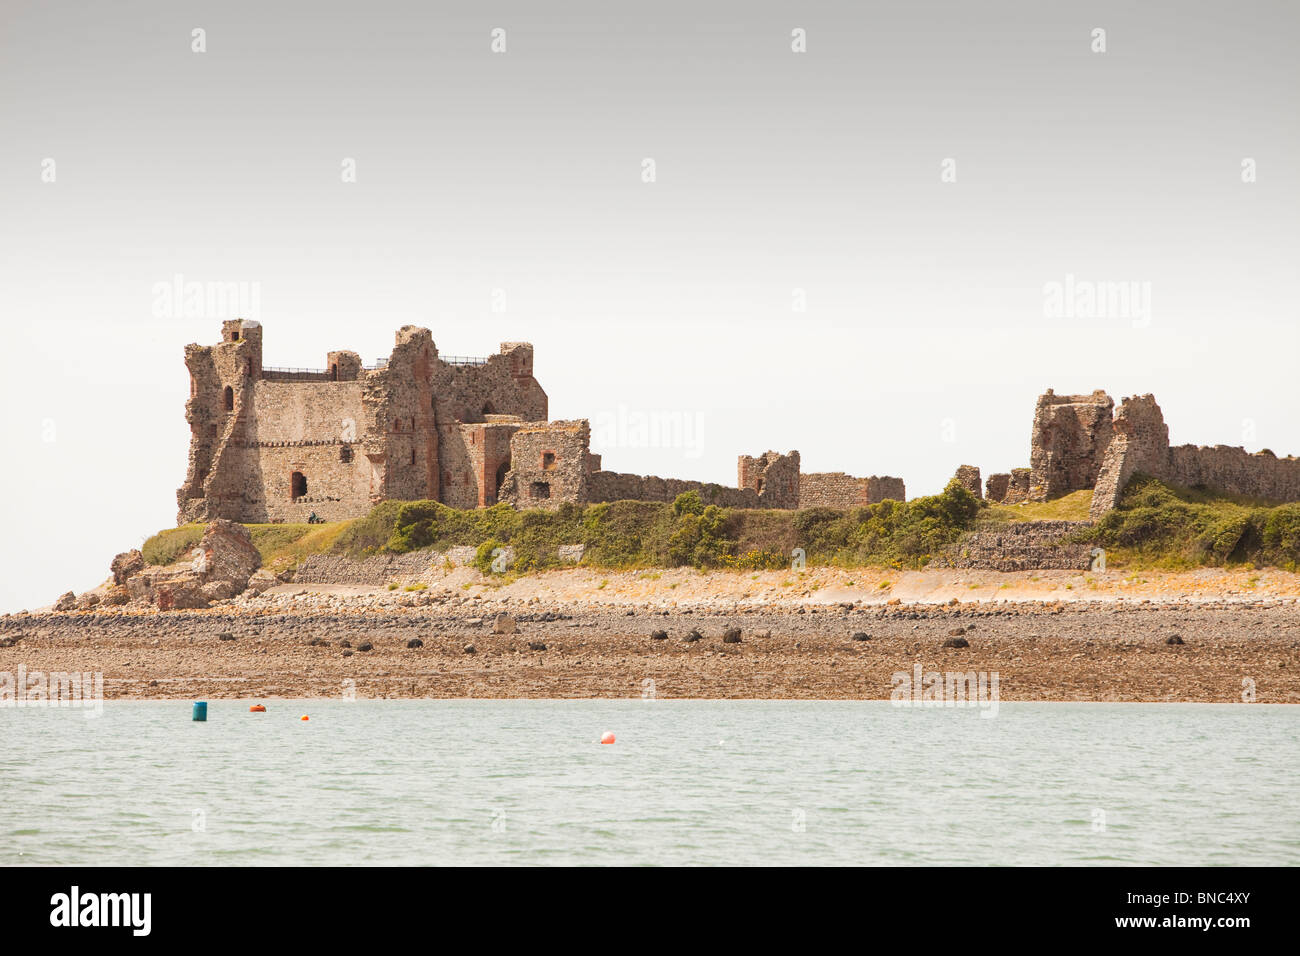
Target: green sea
{"points": [[686, 782]]}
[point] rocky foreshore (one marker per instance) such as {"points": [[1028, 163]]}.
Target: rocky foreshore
{"points": [[648, 635]]}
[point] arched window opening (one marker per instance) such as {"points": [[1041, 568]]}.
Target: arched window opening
{"points": [[229, 399]]}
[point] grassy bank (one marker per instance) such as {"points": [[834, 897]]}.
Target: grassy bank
{"points": [[1157, 526], [1071, 507], [622, 534], [1168, 527], [687, 533]]}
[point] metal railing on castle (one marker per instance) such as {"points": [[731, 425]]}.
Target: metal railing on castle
{"points": [[285, 374], [282, 374]]}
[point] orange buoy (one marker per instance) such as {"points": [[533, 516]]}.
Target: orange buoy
{"points": [[607, 737], [257, 709], [304, 717]]}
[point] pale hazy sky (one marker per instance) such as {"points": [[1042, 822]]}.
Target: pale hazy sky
{"points": [[779, 176]]}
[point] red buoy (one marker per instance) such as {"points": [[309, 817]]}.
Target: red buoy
{"points": [[607, 737]]}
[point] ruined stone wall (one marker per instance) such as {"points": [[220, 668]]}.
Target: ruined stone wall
{"points": [[1019, 546], [770, 480], [1141, 446], [356, 435], [220, 408], [486, 447], [835, 489], [304, 411], [1236, 471], [995, 489], [616, 486], [1018, 486], [969, 478], [458, 485], [417, 404], [549, 464], [772, 476], [402, 438], [885, 488], [374, 571], [1070, 436], [335, 490]]}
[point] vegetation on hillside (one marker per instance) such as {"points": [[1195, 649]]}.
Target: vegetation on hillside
{"points": [[631, 534], [1071, 507], [1158, 525], [622, 534], [282, 546]]}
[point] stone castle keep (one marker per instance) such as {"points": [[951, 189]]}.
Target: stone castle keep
{"points": [[278, 444]]}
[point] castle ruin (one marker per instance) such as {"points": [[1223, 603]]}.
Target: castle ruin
{"points": [[1085, 442], [281, 444]]}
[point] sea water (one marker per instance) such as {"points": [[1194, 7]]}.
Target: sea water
{"points": [[686, 782]]}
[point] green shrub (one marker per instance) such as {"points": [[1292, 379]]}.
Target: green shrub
{"points": [[688, 532], [699, 539], [688, 503], [1166, 526], [368, 535]]}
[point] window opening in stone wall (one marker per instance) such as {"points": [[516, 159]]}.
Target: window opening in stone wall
{"points": [[298, 485], [230, 399], [541, 489], [548, 461]]}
